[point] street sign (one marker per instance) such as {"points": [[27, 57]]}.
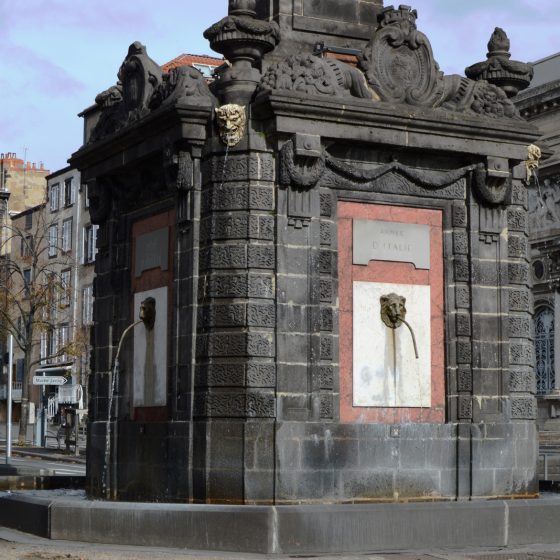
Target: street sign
{"points": [[49, 380]]}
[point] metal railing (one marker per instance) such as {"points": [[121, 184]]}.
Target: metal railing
{"points": [[16, 391], [547, 455]]}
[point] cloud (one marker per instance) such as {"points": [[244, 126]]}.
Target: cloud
{"points": [[102, 16], [41, 74]]}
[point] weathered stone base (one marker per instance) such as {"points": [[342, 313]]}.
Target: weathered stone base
{"points": [[235, 461], [288, 529]]}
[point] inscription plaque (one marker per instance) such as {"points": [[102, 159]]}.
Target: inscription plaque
{"points": [[391, 241], [152, 251]]}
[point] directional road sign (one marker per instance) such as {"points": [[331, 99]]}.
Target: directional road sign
{"points": [[49, 380]]}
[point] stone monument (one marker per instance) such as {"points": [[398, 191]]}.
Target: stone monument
{"points": [[336, 248]]}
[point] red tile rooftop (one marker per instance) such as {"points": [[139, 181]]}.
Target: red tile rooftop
{"points": [[190, 59]]}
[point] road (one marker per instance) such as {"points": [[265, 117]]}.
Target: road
{"points": [[65, 467]]}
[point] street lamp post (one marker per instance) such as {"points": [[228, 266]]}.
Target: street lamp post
{"points": [[9, 403]]}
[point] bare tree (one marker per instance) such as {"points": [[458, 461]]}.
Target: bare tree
{"points": [[34, 293]]}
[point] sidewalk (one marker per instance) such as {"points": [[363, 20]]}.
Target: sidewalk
{"points": [[50, 452]]}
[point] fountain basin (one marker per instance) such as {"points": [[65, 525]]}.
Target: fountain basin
{"points": [[286, 529]]}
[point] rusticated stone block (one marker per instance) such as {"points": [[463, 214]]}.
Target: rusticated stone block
{"points": [[326, 233], [517, 219], [519, 195], [519, 300], [517, 246], [463, 297], [326, 203], [323, 377], [228, 315], [463, 324], [464, 352], [228, 404], [236, 345], [261, 315], [261, 374], [521, 353], [459, 215], [260, 286], [237, 286], [326, 406], [326, 348], [238, 197], [460, 243], [325, 262], [523, 408], [519, 327], [225, 256], [465, 408], [464, 379], [461, 267], [260, 256], [326, 319], [220, 375], [260, 345], [519, 273], [261, 404], [243, 167], [223, 286], [522, 381], [326, 293]]}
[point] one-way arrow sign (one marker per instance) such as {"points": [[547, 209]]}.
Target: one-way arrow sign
{"points": [[49, 380]]}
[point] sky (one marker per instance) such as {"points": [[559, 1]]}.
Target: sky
{"points": [[57, 55]]}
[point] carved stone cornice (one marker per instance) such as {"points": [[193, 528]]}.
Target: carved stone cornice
{"points": [[360, 120]]}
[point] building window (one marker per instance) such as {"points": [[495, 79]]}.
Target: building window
{"points": [[205, 69], [86, 197], [544, 350], [90, 242], [63, 339], [65, 287], [29, 220], [69, 196], [67, 235], [27, 277], [53, 240], [87, 305], [52, 348], [43, 351], [54, 197]]}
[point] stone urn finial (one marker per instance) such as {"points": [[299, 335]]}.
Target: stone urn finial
{"points": [[510, 75], [243, 8], [499, 43], [243, 39]]}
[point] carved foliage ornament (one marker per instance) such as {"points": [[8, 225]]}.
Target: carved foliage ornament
{"points": [[143, 87], [310, 75], [232, 121], [400, 67]]}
